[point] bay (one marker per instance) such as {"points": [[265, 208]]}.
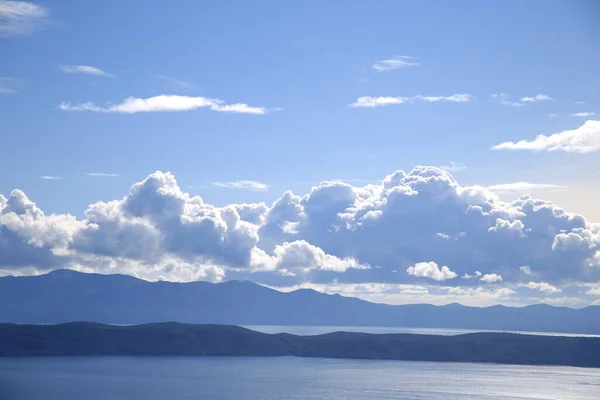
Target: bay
{"points": [[266, 378]]}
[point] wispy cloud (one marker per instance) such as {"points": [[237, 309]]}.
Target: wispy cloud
{"points": [[176, 82], [250, 185], [395, 63], [453, 167], [552, 115], [50, 177], [101, 174], [8, 85], [536, 98], [522, 187], [583, 114], [20, 17], [504, 99], [133, 105], [84, 69], [541, 286], [370, 101], [585, 139]]}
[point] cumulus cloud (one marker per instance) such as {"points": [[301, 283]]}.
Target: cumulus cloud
{"points": [[541, 286], [371, 102], [84, 69], [132, 105], [250, 185], [334, 232], [585, 139], [431, 270], [491, 278], [20, 17], [395, 63]]}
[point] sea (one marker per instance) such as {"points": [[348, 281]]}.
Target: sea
{"points": [[279, 378]]}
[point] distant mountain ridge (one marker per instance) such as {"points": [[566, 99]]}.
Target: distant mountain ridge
{"points": [[84, 338], [65, 296]]}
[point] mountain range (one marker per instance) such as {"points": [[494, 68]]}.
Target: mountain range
{"points": [[66, 295]]}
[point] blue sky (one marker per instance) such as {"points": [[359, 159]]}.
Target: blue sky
{"points": [[458, 78]]}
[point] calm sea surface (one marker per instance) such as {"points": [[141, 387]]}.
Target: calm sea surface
{"points": [[319, 329], [277, 378]]}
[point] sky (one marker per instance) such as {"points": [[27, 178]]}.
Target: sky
{"points": [[401, 152]]}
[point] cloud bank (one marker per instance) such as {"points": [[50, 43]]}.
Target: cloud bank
{"points": [[585, 139], [420, 229]]}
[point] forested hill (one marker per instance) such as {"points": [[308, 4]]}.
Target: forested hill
{"points": [[82, 338]]}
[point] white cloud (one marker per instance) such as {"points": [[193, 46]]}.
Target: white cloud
{"points": [[395, 63], [541, 286], [159, 103], [525, 269], [370, 102], [83, 69], [552, 115], [585, 139], [50, 177], [251, 185], [536, 98], [522, 187], [334, 232], [491, 278], [20, 17], [431, 270], [583, 114], [101, 174], [455, 98], [453, 167]]}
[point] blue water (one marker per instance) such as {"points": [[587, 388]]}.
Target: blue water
{"points": [[278, 378], [321, 329]]}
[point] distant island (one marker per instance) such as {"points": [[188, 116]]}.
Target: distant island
{"points": [[89, 339], [65, 295]]}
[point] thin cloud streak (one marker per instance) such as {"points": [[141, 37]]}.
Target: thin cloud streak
{"points": [[395, 63], [371, 102], [453, 167], [250, 185], [522, 187], [101, 174], [536, 98], [50, 177], [132, 105], [84, 69]]}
